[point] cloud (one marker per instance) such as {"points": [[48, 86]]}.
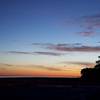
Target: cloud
{"points": [[76, 48], [79, 63], [4, 66], [19, 52], [58, 49], [98, 42], [89, 24], [34, 53], [77, 44], [67, 47], [48, 68], [92, 21], [49, 53], [86, 33], [45, 45], [42, 44], [66, 44]]}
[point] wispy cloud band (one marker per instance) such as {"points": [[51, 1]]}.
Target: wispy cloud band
{"points": [[78, 63], [75, 47], [48, 53], [10, 66], [90, 24], [34, 53]]}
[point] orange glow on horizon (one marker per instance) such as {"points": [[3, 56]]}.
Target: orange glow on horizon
{"points": [[40, 73]]}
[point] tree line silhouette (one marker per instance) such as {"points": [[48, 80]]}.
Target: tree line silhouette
{"points": [[91, 74]]}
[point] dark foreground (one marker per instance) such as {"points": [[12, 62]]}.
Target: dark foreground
{"points": [[49, 88]]}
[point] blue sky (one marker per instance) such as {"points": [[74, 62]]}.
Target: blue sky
{"points": [[28, 27]]}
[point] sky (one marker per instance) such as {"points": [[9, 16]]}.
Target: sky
{"points": [[48, 38]]}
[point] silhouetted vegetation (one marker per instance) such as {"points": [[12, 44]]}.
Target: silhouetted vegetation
{"points": [[91, 74]]}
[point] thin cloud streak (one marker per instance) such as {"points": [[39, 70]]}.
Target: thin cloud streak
{"points": [[78, 63], [48, 68], [35, 53], [86, 33], [75, 47], [51, 44], [10, 66], [5, 67], [19, 52], [42, 44], [48, 53]]}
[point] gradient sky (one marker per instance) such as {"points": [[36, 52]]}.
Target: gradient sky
{"points": [[49, 38]]}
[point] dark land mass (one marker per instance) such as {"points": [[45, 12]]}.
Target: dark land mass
{"points": [[49, 88]]}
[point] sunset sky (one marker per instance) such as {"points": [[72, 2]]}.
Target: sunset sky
{"points": [[48, 38]]}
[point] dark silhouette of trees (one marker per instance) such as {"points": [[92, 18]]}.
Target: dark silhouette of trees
{"points": [[91, 74]]}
